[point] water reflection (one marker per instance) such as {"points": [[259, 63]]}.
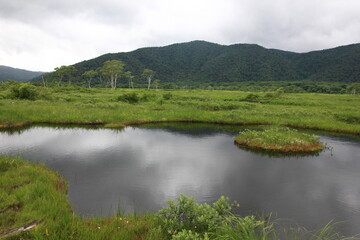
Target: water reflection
{"points": [[140, 168]]}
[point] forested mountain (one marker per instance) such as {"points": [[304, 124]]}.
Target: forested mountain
{"points": [[16, 74], [204, 62]]}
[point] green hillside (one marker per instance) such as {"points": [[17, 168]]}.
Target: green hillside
{"points": [[16, 74], [200, 62]]}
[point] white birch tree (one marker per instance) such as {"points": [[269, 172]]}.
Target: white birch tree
{"points": [[112, 70], [148, 74], [89, 75]]}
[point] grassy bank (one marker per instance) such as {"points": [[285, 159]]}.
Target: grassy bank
{"points": [[338, 113], [279, 140], [34, 205], [34, 197]]}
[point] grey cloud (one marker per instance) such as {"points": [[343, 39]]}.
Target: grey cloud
{"points": [[77, 30], [39, 11], [296, 25]]}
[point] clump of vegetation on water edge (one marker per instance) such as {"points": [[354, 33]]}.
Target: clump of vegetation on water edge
{"points": [[279, 139], [34, 205]]}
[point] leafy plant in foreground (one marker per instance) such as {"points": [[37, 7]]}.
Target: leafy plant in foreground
{"points": [[189, 235], [188, 215]]}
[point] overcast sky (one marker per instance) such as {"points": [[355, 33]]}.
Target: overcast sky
{"points": [[44, 34]]}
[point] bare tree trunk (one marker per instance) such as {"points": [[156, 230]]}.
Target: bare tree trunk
{"points": [[44, 83], [60, 81], [108, 82], [112, 82], [149, 82], [115, 80]]}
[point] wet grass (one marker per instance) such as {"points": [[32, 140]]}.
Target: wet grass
{"points": [[336, 113], [279, 140]]}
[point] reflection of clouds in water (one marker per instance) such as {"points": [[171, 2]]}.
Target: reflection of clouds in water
{"points": [[26, 139], [164, 163], [179, 163], [140, 168], [60, 140], [349, 195]]}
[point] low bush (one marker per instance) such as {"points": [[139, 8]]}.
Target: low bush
{"points": [[189, 235], [167, 96], [28, 91], [278, 93], [148, 96], [190, 216], [129, 98], [251, 97]]}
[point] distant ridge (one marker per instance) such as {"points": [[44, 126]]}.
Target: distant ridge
{"points": [[201, 61], [16, 74]]}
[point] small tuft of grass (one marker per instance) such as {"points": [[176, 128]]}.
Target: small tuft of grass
{"points": [[280, 140]]}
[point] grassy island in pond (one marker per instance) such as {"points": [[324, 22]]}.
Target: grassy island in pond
{"points": [[279, 140]]}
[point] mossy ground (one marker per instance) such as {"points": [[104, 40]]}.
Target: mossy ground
{"points": [[279, 140]]}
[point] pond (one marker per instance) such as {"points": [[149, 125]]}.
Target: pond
{"points": [[139, 168]]}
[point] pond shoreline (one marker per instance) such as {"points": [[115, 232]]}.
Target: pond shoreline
{"points": [[120, 125]]}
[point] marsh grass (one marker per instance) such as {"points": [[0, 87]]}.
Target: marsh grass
{"points": [[336, 113], [280, 140]]}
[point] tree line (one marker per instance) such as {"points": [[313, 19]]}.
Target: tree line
{"points": [[108, 74]]}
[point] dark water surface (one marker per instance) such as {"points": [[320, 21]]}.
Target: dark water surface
{"points": [[140, 168]]}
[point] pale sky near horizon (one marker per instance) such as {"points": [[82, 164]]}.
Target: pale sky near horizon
{"points": [[40, 35]]}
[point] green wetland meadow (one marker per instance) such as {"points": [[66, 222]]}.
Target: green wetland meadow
{"points": [[33, 199]]}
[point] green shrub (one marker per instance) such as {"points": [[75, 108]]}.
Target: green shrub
{"points": [[197, 218], [278, 93], [189, 235], [251, 97], [23, 91], [129, 98], [167, 96], [148, 96], [28, 91]]}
